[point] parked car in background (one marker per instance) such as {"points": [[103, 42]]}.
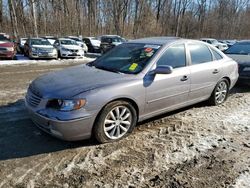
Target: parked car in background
{"points": [[36, 48], [51, 39], [68, 48], [93, 44], [7, 48], [240, 52], [215, 43], [80, 42], [110, 41], [20, 45], [229, 43], [135, 81]]}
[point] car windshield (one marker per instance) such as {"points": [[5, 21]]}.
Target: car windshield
{"points": [[214, 42], [39, 42], [68, 42], [4, 38], [128, 58], [239, 48], [117, 39]]}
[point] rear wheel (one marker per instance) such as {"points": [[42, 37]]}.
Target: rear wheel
{"points": [[115, 122], [220, 93]]}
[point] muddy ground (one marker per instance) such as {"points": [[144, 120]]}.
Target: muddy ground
{"points": [[199, 146]]}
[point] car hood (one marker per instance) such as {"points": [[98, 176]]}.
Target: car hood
{"points": [[240, 59], [43, 46], [75, 80], [71, 47], [6, 44]]}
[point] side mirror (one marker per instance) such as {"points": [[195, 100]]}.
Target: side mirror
{"points": [[163, 69]]}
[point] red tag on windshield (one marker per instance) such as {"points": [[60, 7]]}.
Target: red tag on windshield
{"points": [[148, 50]]}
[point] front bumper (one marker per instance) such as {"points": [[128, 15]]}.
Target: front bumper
{"points": [[70, 54], [69, 130], [45, 55], [7, 54]]}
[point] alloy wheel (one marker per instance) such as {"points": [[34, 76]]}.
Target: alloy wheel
{"points": [[117, 122], [221, 92]]}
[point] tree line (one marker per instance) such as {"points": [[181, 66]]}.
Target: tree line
{"points": [[129, 18]]}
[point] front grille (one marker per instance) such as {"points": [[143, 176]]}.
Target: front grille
{"points": [[45, 50], [3, 49], [33, 99], [75, 51]]}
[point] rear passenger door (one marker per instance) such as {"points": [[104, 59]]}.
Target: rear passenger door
{"points": [[205, 70]]}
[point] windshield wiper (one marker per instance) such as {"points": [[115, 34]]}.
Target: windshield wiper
{"points": [[107, 69]]}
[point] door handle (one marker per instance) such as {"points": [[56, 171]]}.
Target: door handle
{"points": [[184, 78], [216, 71]]}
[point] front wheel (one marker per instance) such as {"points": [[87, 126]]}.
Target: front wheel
{"points": [[220, 93], [115, 122]]}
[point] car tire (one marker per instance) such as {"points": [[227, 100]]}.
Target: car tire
{"points": [[220, 92], [116, 120]]}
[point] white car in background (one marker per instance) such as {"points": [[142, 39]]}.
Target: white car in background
{"points": [[68, 48], [215, 43], [79, 42]]}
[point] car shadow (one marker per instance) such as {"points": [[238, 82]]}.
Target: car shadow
{"points": [[19, 137]]}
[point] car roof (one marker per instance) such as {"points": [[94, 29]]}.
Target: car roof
{"points": [[36, 38], [64, 39], [111, 36], [155, 40], [207, 39], [244, 41]]}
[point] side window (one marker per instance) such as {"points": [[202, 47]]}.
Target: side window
{"points": [[199, 53], [174, 56], [217, 55]]}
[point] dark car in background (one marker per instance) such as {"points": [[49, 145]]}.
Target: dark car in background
{"points": [[20, 45], [240, 52], [93, 44], [7, 48], [110, 41]]}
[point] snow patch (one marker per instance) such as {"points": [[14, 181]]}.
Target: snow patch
{"points": [[243, 181], [25, 61]]}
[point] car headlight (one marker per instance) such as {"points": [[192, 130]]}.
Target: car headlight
{"points": [[34, 49], [10, 49], [66, 104]]}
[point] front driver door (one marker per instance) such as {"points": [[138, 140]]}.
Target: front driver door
{"points": [[165, 92]]}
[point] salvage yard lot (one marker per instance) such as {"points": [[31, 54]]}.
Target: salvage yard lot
{"points": [[199, 146]]}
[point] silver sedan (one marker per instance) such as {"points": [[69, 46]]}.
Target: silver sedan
{"points": [[133, 82]]}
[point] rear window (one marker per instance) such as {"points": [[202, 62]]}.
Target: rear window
{"points": [[199, 53], [216, 55]]}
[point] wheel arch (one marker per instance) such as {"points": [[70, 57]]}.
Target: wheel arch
{"points": [[228, 80]]}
